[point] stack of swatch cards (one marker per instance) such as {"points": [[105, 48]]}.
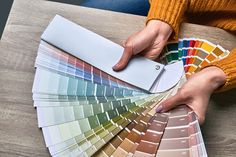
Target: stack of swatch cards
{"points": [[194, 53], [84, 108]]}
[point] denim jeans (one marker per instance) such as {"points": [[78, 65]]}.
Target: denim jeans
{"points": [[138, 7]]}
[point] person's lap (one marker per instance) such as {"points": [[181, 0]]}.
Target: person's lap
{"points": [[138, 7]]}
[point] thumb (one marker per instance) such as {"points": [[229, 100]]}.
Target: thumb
{"points": [[122, 63], [134, 45], [171, 102]]}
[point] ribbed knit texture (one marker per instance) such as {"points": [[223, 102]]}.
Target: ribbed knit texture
{"points": [[218, 13], [169, 11]]}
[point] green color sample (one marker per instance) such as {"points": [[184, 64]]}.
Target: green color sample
{"points": [[100, 90], [172, 46], [118, 92], [97, 108], [102, 117], [78, 112], [63, 85], [116, 104], [81, 87], [72, 86], [121, 109], [109, 91], [84, 125], [90, 89], [180, 53], [93, 121], [107, 106], [88, 110], [112, 114]]}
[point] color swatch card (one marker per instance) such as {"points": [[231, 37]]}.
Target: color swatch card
{"points": [[85, 109], [195, 53]]}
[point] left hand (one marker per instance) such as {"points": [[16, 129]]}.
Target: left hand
{"points": [[196, 92]]}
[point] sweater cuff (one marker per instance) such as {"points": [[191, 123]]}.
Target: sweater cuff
{"points": [[169, 11], [228, 65]]}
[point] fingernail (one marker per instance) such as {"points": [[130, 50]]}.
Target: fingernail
{"points": [[159, 108], [116, 66]]}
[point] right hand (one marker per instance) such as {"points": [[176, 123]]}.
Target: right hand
{"points": [[196, 92], [149, 41]]}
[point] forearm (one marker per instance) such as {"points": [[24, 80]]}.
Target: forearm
{"points": [[228, 66], [213, 77]]}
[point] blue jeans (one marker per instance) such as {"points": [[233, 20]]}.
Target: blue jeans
{"points": [[138, 7]]}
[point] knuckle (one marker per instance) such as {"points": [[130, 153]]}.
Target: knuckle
{"points": [[128, 45]]}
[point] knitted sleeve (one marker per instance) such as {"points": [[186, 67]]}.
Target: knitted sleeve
{"points": [[228, 65], [217, 13], [169, 11]]}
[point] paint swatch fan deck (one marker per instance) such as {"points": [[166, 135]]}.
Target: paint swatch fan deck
{"points": [[84, 108]]}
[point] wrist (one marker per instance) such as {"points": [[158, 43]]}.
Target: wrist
{"points": [[153, 26], [215, 77], [160, 28]]}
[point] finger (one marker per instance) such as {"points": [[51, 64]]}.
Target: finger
{"points": [[123, 43], [142, 41], [130, 38], [127, 54], [133, 45], [171, 103], [155, 50]]}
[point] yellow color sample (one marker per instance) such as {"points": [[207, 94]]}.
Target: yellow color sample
{"points": [[207, 47], [191, 69]]}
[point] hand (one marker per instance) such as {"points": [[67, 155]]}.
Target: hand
{"points": [[149, 41], [196, 92]]}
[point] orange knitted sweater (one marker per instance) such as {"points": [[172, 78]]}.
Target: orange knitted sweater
{"points": [[218, 13]]}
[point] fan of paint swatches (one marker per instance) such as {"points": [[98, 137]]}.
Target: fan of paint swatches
{"points": [[194, 53], [85, 111]]}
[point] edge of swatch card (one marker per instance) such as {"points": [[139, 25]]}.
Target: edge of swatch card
{"points": [[96, 50], [171, 75]]}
